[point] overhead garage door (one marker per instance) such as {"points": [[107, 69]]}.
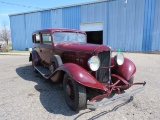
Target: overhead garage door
{"points": [[94, 32]]}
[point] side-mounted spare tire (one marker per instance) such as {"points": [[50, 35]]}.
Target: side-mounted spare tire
{"points": [[75, 93]]}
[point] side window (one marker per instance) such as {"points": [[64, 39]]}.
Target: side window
{"points": [[37, 38], [46, 38]]}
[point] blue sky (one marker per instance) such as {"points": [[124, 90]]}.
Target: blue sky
{"points": [[17, 6]]}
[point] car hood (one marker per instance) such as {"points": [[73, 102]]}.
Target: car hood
{"points": [[73, 46]]}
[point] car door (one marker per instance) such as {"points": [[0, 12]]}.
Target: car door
{"points": [[36, 42], [46, 48]]}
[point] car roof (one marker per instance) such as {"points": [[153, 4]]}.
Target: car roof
{"points": [[51, 30]]}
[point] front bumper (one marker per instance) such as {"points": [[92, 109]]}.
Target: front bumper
{"points": [[105, 101]]}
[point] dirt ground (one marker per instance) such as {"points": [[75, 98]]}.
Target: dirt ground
{"points": [[25, 95]]}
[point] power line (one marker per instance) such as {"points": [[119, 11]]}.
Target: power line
{"points": [[19, 5]]}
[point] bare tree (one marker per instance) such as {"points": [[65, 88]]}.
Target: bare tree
{"points": [[5, 33]]}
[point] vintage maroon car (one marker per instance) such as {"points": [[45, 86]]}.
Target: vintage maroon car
{"points": [[87, 71]]}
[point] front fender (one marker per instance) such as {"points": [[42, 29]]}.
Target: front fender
{"points": [[81, 75], [127, 70]]}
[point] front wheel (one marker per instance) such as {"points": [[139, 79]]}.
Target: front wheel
{"points": [[75, 93]]}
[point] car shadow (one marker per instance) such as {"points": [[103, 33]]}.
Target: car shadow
{"points": [[51, 95]]}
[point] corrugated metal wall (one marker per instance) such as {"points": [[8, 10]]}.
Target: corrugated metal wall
{"points": [[156, 27], [148, 25], [131, 26], [71, 17], [32, 23], [56, 18], [46, 19], [138, 25], [18, 31], [126, 24]]}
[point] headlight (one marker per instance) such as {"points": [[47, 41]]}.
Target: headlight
{"points": [[94, 63], [119, 58]]}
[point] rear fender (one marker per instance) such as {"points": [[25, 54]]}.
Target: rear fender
{"points": [[80, 75], [126, 70], [34, 57]]}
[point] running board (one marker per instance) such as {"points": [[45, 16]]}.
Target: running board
{"points": [[43, 71], [105, 101]]}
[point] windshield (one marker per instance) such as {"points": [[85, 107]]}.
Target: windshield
{"points": [[69, 36]]}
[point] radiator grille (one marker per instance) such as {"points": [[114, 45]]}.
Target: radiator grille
{"points": [[103, 74]]}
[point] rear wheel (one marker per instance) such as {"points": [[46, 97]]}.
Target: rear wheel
{"points": [[75, 93]]}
